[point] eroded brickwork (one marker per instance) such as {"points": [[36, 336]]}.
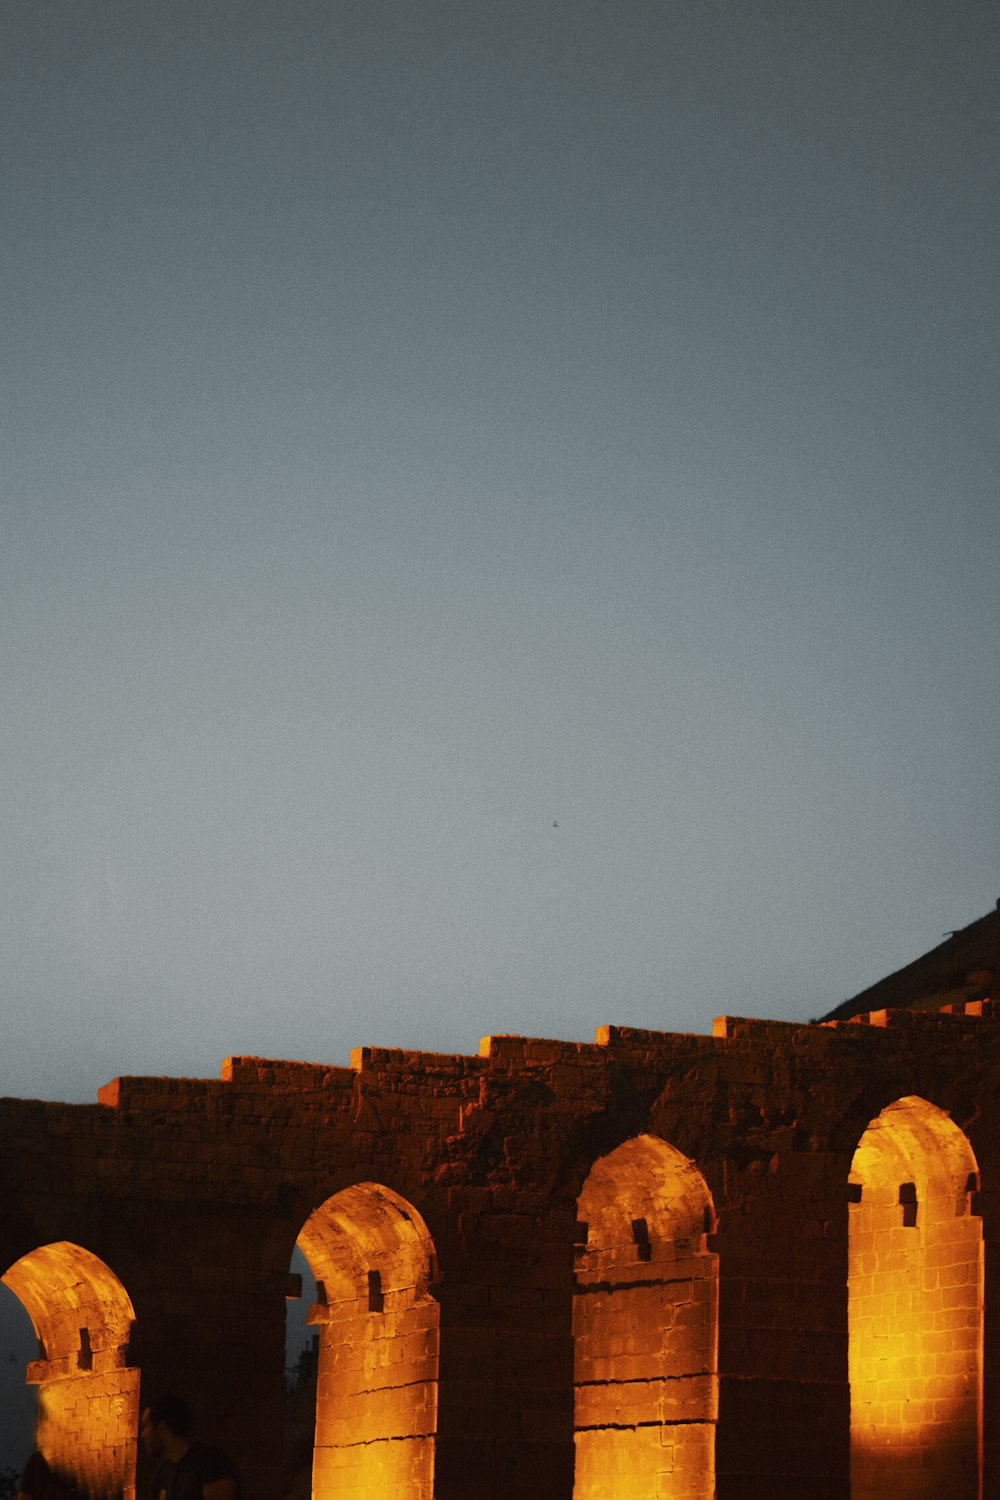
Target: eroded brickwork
{"points": [[915, 1316], [701, 1336], [376, 1392], [644, 1327]]}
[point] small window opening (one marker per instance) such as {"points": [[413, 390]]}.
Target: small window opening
{"points": [[85, 1357], [970, 1203], [854, 1192], [640, 1233], [376, 1299], [908, 1200]]}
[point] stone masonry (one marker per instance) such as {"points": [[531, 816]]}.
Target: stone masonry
{"points": [[757, 1264]]}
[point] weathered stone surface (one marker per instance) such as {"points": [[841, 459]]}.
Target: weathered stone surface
{"points": [[450, 1207]]}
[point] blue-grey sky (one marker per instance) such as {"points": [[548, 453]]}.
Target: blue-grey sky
{"points": [[428, 423]]}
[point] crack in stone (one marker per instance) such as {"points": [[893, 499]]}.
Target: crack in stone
{"points": [[634, 1426], [587, 1288], [401, 1437], [644, 1380]]}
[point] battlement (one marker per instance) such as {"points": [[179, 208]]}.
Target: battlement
{"points": [[566, 1259]]}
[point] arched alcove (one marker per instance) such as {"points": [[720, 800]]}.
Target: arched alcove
{"points": [[18, 1400], [376, 1405], [915, 1308], [88, 1393], [645, 1328]]}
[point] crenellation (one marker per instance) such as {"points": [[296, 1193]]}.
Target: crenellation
{"points": [[653, 1229]]}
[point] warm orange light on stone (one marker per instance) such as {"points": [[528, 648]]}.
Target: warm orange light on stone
{"points": [[644, 1322], [915, 1309], [376, 1401], [195, 1189], [88, 1393]]}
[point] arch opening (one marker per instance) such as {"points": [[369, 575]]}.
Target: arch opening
{"points": [[18, 1400], [88, 1388], [376, 1391], [915, 1308], [645, 1326]]}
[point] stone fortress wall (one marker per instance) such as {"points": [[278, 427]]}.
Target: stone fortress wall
{"points": [[757, 1264]]}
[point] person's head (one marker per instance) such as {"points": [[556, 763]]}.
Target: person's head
{"points": [[166, 1424]]}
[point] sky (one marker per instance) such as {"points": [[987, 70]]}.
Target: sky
{"points": [[499, 518]]}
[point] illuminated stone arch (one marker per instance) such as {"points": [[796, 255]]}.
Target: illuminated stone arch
{"points": [[88, 1396], [645, 1327], [376, 1404], [915, 1308]]}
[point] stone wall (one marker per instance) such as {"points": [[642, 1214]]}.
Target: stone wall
{"points": [[652, 1265]]}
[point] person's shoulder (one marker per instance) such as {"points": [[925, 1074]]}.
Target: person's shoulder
{"points": [[211, 1462]]}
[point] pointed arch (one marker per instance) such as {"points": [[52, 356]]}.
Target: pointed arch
{"points": [[645, 1326], [88, 1389], [915, 1308], [376, 1409]]}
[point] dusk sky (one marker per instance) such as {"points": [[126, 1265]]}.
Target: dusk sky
{"points": [[499, 518]]}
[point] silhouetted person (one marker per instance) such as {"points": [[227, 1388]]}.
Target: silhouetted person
{"points": [[188, 1469]]}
